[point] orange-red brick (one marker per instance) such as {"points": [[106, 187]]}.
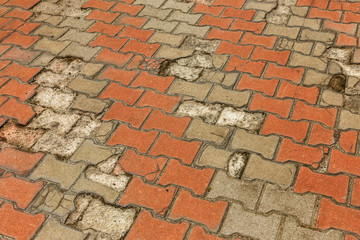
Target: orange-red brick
{"points": [[321, 135], [192, 178], [309, 94], [309, 181], [133, 138], [147, 227], [151, 81], [117, 59], [121, 112], [232, 36], [146, 195], [266, 41], [145, 166], [234, 49], [162, 101], [256, 27], [199, 210], [239, 13], [267, 104], [102, 16], [267, 86], [115, 91], [213, 10], [169, 146], [130, 32], [318, 13], [174, 125], [238, 64], [340, 162], [103, 5], [19, 90], [223, 23], [275, 125], [326, 116], [348, 141], [123, 76], [22, 112], [21, 40], [109, 42], [290, 151], [105, 28], [280, 57], [139, 47], [125, 8]]}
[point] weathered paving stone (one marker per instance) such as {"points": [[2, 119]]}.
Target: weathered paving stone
{"points": [[265, 145], [184, 17], [51, 46], [104, 131], [214, 157], [208, 113], [50, 79], [56, 144], [254, 225], [168, 52], [151, 11], [93, 88], [100, 220], [232, 117], [243, 191], [236, 164], [49, 31], [298, 59], [206, 132], [77, 36], [154, 23], [58, 231], [279, 173], [330, 97], [290, 32], [166, 38], [57, 171], [90, 69], [313, 77], [285, 201], [293, 231], [54, 98], [76, 50], [76, 23], [184, 28], [198, 44], [154, 3], [49, 120], [307, 34]]}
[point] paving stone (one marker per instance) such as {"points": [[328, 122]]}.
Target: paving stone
{"points": [[245, 192], [90, 69], [53, 200], [300, 11], [184, 28], [214, 157], [51, 46], [154, 3], [49, 31], [206, 132], [77, 36], [95, 217], [167, 52], [93, 153], [104, 131], [312, 77], [57, 171], [330, 97], [296, 21], [76, 50], [307, 35], [184, 17], [155, 12], [251, 224], [196, 90], [349, 120], [84, 184], [265, 145], [58, 231], [209, 75], [42, 60], [282, 174], [290, 32], [298, 59], [208, 46], [262, 6], [86, 104], [166, 38], [93, 88], [76, 23], [319, 49], [154, 23], [219, 94], [293, 231], [285, 201], [183, 6]]}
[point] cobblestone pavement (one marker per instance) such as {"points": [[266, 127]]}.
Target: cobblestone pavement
{"points": [[171, 119]]}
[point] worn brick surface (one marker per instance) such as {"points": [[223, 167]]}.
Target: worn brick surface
{"points": [[92, 105]]}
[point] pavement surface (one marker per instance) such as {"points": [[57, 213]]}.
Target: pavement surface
{"points": [[170, 119]]}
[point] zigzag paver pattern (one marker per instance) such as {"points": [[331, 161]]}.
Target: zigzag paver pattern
{"points": [[170, 119]]}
